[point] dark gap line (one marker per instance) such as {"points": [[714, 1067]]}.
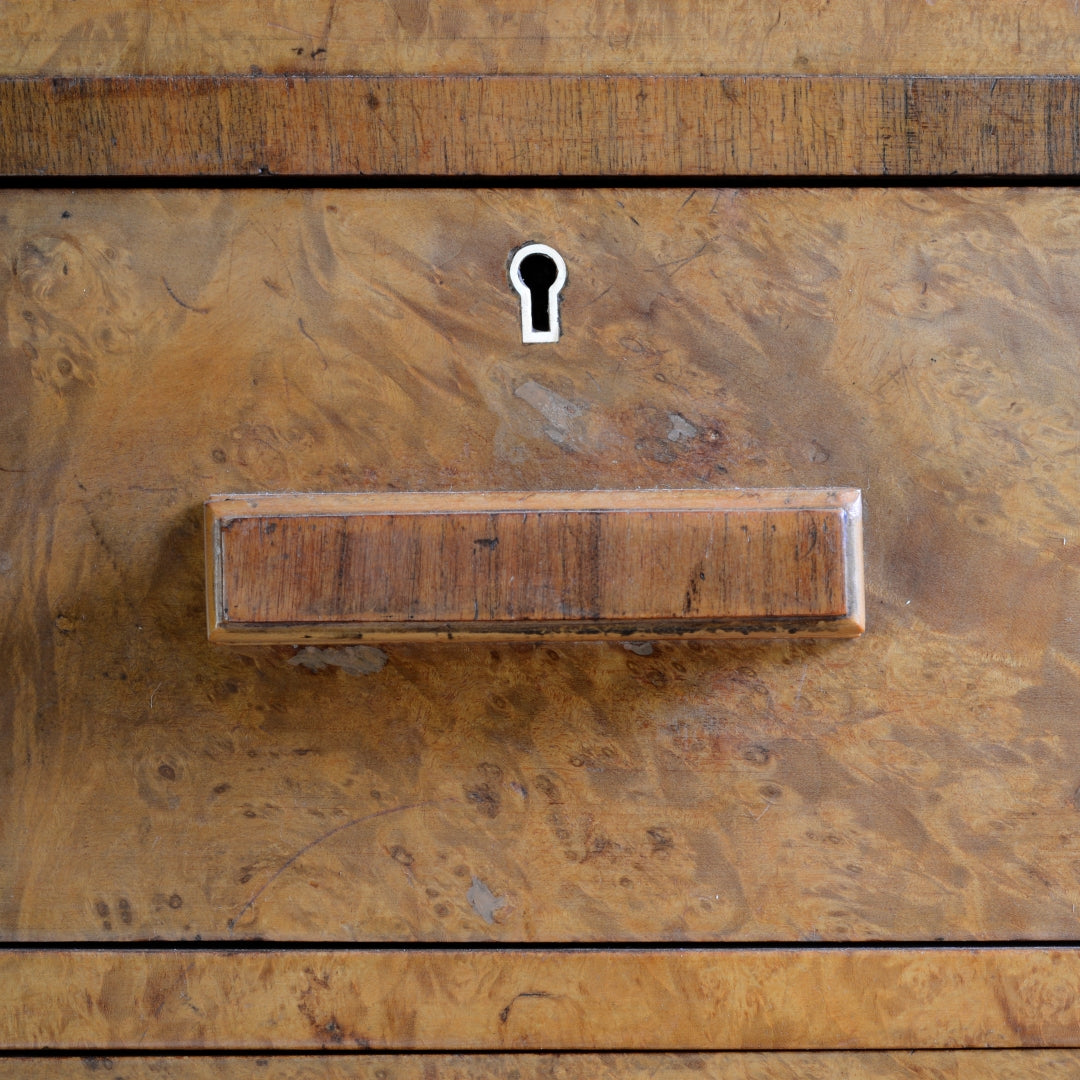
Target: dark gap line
{"points": [[262, 945], [68, 80], [273, 182], [307, 1053]]}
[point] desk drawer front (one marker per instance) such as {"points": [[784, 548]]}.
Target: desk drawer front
{"points": [[916, 783]]}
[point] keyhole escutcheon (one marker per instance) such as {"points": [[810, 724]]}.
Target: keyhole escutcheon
{"points": [[537, 275]]}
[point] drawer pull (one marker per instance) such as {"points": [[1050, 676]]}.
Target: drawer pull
{"points": [[521, 565], [537, 274]]}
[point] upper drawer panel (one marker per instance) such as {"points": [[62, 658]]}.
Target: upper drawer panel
{"points": [[919, 782], [854, 37]]}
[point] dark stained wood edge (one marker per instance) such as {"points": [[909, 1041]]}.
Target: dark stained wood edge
{"points": [[487, 126], [514, 999], [221, 511], [386, 633]]}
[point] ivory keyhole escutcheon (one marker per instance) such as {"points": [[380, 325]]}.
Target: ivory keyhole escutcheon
{"points": [[537, 275]]}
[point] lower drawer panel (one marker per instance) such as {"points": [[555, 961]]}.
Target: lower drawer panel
{"points": [[866, 1065], [629, 999]]}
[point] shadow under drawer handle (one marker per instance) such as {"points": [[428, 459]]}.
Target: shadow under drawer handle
{"points": [[586, 565]]}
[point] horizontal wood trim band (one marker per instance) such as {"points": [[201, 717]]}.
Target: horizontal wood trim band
{"points": [[297, 568], [120, 37], [521, 125], [743, 1065], [754, 999]]}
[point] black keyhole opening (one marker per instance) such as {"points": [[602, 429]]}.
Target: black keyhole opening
{"points": [[538, 272]]}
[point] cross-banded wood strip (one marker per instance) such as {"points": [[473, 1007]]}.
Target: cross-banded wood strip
{"points": [[540, 126]]}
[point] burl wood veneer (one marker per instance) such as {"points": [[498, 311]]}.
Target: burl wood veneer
{"points": [[511, 999], [561, 37], [736, 1065], [918, 782]]}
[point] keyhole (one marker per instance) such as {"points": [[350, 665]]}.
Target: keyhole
{"points": [[537, 274]]}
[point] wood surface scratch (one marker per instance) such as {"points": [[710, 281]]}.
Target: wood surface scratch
{"points": [[328, 835], [183, 303]]}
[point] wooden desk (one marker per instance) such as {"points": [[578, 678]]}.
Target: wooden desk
{"points": [[852, 858]]}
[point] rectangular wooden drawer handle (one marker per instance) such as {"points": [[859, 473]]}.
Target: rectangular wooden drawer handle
{"points": [[584, 565]]}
